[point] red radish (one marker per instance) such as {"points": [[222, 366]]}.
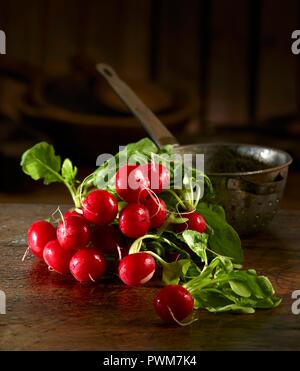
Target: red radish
{"points": [[158, 211], [173, 301], [38, 235], [56, 257], [107, 239], [136, 269], [73, 232], [87, 265], [196, 222], [73, 213], [100, 207], [158, 175], [132, 183], [134, 220]]}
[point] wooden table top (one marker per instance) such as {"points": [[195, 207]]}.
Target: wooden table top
{"points": [[46, 311]]}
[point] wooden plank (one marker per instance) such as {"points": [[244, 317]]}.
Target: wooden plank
{"points": [[277, 90], [179, 43], [103, 31], [178, 61], [4, 17], [118, 34], [60, 30], [228, 84], [134, 49], [47, 311], [21, 22]]}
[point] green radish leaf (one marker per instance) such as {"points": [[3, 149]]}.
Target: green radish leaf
{"points": [[224, 240], [68, 171], [144, 146], [265, 285], [212, 297], [226, 264], [217, 301], [220, 287], [240, 288], [156, 247], [40, 162], [174, 219], [193, 271], [233, 308], [173, 272], [121, 205], [218, 209], [250, 280], [197, 242]]}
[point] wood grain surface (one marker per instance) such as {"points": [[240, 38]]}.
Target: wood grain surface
{"points": [[46, 311]]}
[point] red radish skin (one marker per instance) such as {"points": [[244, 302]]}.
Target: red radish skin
{"points": [[73, 232], [196, 222], [134, 220], [87, 265], [107, 239], [132, 183], [175, 299], [159, 176], [72, 213], [56, 257], [137, 269], [100, 207], [157, 210], [38, 235]]}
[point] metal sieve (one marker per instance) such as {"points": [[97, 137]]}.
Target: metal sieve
{"points": [[248, 180]]}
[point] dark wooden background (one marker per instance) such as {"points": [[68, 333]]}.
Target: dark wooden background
{"points": [[234, 55]]}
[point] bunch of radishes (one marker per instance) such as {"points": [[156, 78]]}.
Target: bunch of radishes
{"points": [[85, 237], [138, 218]]}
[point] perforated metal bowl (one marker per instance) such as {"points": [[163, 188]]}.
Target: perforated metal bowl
{"points": [[249, 181]]}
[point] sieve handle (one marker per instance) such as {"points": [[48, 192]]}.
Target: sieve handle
{"points": [[154, 127]]}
